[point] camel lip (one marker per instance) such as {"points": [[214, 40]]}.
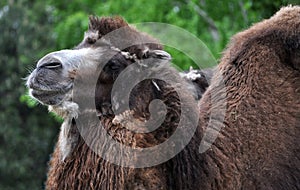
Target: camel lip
{"points": [[40, 89], [42, 92], [47, 97]]}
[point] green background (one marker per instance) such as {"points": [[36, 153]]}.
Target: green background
{"points": [[29, 29]]}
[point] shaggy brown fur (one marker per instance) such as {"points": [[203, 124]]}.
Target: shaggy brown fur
{"points": [[258, 147], [83, 169]]}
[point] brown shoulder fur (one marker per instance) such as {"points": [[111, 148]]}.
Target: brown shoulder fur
{"points": [[258, 147]]}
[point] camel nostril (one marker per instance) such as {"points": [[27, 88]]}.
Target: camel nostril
{"points": [[52, 65]]}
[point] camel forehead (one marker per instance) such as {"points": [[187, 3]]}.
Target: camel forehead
{"points": [[70, 57], [59, 56]]}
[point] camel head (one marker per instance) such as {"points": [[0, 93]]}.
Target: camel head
{"points": [[52, 81]]}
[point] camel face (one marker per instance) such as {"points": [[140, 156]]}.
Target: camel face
{"points": [[52, 81]]}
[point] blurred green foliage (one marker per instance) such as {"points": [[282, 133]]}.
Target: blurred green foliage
{"points": [[29, 29]]}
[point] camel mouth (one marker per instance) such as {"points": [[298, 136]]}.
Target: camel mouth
{"points": [[47, 97], [41, 89], [48, 92]]}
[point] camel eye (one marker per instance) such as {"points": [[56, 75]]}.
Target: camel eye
{"points": [[114, 65]]}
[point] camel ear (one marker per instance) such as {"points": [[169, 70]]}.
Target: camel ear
{"points": [[158, 54]]}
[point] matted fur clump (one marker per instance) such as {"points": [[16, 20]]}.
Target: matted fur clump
{"points": [[257, 147]]}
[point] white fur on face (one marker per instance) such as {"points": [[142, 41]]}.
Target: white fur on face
{"points": [[68, 136]]}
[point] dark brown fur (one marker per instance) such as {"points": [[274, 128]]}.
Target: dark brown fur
{"points": [[83, 169], [258, 147]]}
